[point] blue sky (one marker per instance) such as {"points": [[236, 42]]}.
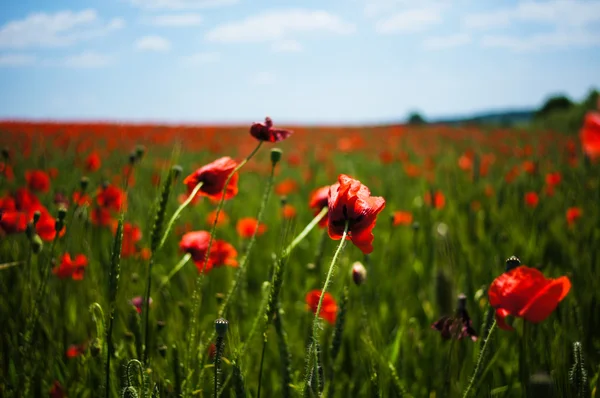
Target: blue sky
{"points": [[309, 61]]}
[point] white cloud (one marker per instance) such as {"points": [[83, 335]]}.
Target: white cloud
{"points": [[60, 29], [279, 25], [374, 8], [175, 20], [12, 60], [564, 13], [153, 43], [263, 79], [199, 59], [181, 4], [445, 42], [410, 21], [542, 41], [88, 59], [286, 46]]}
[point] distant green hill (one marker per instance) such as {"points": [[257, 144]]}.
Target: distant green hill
{"points": [[505, 118]]}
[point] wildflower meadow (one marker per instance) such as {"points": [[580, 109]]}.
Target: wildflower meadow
{"points": [[266, 260]]}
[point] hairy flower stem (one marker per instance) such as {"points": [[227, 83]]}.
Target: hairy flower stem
{"points": [[176, 215], [175, 269], [480, 360], [196, 296], [262, 361], [220, 346], [315, 326]]}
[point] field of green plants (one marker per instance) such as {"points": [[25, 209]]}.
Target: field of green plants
{"points": [[288, 261]]}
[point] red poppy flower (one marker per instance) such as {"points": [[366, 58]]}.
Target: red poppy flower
{"points": [[319, 198], [573, 214], [81, 199], [288, 211], [328, 307], [286, 187], [266, 132], [101, 217], [553, 179], [351, 201], [590, 135], [92, 162], [531, 199], [111, 197], [53, 172], [245, 227], [71, 268], [75, 350], [221, 252], [57, 390], [131, 235], [38, 180], [13, 222], [213, 177], [529, 167], [223, 218], [46, 227], [402, 218], [6, 170], [524, 292], [439, 200]]}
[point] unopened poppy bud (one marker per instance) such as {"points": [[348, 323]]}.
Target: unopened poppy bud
{"points": [[359, 273], [129, 336], [36, 217], [135, 277], [105, 184], [512, 262], [95, 347], [30, 230], [132, 158], [268, 122], [416, 226], [162, 350], [462, 302], [221, 326], [83, 183], [276, 155], [140, 150], [220, 297], [177, 170], [62, 213], [283, 201], [5, 153], [36, 244]]}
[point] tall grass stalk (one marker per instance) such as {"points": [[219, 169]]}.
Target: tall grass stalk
{"points": [[480, 360]]}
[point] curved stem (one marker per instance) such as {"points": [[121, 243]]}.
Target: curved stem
{"points": [[305, 232], [175, 269], [480, 360], [315, 326], [177, 213]]}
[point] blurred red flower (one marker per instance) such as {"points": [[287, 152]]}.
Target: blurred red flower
{"points": [[213, 177], [573, 214], [524, 292], [221, 253], [289, 211], [351, 202], [402, 218], [286, 187], [266, 131], [531, 199], [590, 135], [439, 200], [92, 162], [328, 308], [38, 180], [319, 198], [111, 197], [69, 268], [245, 227]]}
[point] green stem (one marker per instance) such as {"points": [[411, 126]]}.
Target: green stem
{"points": [[315, 325], [260, 370], [480, 360], [177, 213], [176, 269], [305, 232], [146, 307], [196, 297]]}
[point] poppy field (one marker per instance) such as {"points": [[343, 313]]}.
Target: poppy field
{"points": [[292, 261]]}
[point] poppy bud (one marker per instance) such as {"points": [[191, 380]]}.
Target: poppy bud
{"points": [[105, 184], [359, 273], [220, 297], [132, 158], [36, 217], [283, 201], [512, 262], [95, 347], [140, 150], [276, 155], [129, 336], [62, 213], [162, 350], [416, 226], [36, 244], [177, 170], [5, 153], [30, 231], [83, 183], [135, 277], [462, 302], [221, 326]]}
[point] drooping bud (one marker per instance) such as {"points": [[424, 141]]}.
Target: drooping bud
{"points": [[221, 326], [95, 347], [160, 325], [359, 273], [36, 244], [140, 150], [36, 217], [62, 213], [220, 297], [512, 262], [177, 170], [416, 226], [462, 302], [276, 154], [132, 158], [162, 350]]}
